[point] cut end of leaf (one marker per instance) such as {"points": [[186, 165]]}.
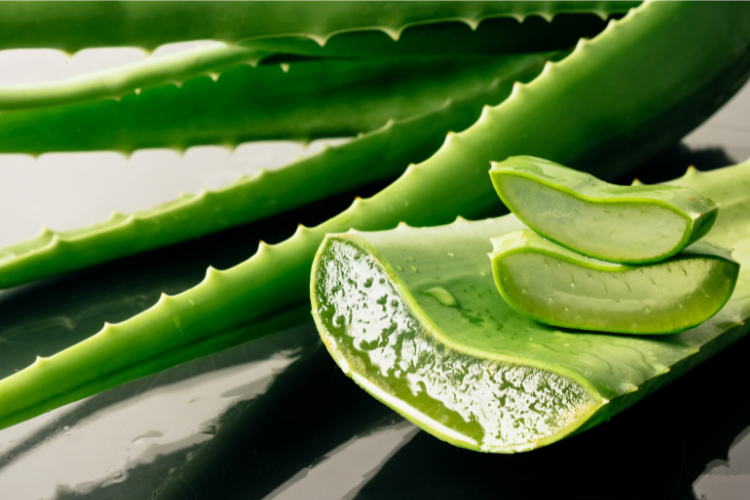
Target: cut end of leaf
{"points": [[394, 352]]}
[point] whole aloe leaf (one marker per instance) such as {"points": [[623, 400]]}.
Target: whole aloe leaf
{"points": [[502, 35], [71, 27], [412, 315], [114, 83], [377, 155], [699, 52], [311, 99]]}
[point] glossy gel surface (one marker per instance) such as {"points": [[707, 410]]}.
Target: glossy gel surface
{"points": [[559, 287], [629, 224]]}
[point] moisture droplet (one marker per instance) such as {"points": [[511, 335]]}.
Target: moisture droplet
{"points": [[450, 254], [413, 268], [572, 284], [442, 295], [411, 259], [523, 291], [566, 309], [399, 268], [550, 299]]}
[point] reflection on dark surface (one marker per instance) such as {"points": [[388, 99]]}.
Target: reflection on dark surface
{"points": [[276, 418]]}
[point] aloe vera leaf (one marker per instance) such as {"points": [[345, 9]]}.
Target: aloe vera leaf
{"points": [[412, 315], [559, 287], [377, 155], [148, 25], [699, 53], [114, 83], [599, 219], [492, 36], [312, 99]]}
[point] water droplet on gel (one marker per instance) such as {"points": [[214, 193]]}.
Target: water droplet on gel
{"points": [[442, 295]]}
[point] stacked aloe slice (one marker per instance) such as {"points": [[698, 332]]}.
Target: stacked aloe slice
{"points": [[608, 258]]}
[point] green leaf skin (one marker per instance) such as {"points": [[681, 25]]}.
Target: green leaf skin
{"points": [[491, 37], [413, 316], [115, 83], [311, 99], [562, 288], [377, 155], [660, 70], [72, 26], [627, 224]]}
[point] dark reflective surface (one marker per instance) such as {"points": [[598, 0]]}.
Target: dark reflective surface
{"points": [[276, 418]]}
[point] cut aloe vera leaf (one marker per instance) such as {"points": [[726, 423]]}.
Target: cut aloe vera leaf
{"points": [[373, 156], [628, 224], [302, 101], [666, 65], [72, 27], [414, 317], [559, 287]]}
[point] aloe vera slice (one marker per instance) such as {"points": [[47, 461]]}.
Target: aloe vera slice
{"points": [[556, 116], [413, 316], [559, 287], [628, 224]]}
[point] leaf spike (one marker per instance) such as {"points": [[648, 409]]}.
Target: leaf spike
{"points": [[214, 76], [177, 84], [285, 67], [471, 23], [691, 170], [395, 34], [137, 91], [230, 146], [636, 182], [547, 16], [320, 40]]}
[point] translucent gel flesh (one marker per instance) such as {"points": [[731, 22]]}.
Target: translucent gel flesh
{"points": [[616, 231], [474, 401], [659, 298]]}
